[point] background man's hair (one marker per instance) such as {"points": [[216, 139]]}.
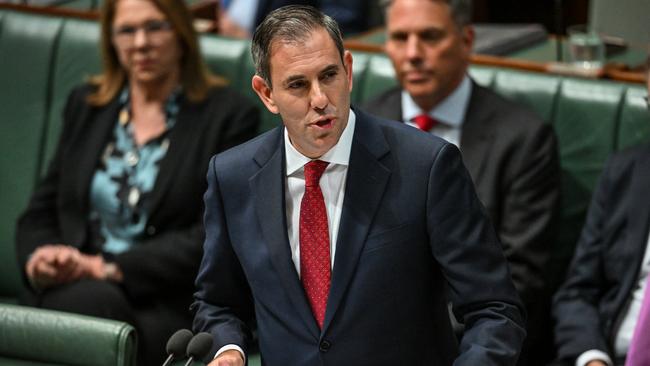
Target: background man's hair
{"points": [[461, 10]]}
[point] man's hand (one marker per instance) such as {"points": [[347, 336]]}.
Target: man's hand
{"points": [[228, 358]]}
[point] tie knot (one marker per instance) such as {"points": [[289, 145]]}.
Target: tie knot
{"points": [[313, 171], [424, 122]]}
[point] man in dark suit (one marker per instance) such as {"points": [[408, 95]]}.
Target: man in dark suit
{"points": [[510, 153], [598, 310], [346, 235]]}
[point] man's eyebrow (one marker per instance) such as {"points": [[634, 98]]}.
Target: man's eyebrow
{"points": [[330, 68]]}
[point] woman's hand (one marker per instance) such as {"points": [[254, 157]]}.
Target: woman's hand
{"points": [[54, 264]]}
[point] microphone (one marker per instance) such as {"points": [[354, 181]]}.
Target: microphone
{"points": [[199, 347], [177, 344]]}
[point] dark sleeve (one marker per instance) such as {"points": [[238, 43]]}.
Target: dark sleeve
{"points": [[471, 258], [223, 301], [578, 326], [172, 257], [39, 224], [529, 216]]}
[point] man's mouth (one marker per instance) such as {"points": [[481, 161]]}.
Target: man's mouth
{"points": [[324, 123]]}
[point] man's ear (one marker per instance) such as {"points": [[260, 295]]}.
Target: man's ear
{"points": [[265, 93], [347, 63]]}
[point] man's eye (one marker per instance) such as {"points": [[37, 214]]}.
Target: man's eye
{"points": [[398, 37], [431, 36], [296, 85], [329, 76]]}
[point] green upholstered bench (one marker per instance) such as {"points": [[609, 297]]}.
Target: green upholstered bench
{"points": [[44, 56], [30, 336]]}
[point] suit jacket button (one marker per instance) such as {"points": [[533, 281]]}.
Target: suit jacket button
{"points": [[151, 230], [325, 346]]}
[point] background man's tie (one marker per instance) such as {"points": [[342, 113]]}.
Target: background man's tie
{"points": [[315, 263], [424, 122]]}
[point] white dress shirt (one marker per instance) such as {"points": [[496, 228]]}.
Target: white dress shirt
{"points": [[332, 184], [628, 320], [450, 112]]}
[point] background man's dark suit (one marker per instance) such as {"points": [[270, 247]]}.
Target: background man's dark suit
{"points": [[410, 223], [512, 158], [608, 257]]}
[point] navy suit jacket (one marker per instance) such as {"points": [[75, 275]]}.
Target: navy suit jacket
{"points": [[606, 264], [512, 157], [412, 235]]}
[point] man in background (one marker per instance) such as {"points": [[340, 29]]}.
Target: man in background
{"points": [[510, 153], [602, 311]]}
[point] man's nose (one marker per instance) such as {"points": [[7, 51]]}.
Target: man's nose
{"points": [[413, 48], [319, 98]]}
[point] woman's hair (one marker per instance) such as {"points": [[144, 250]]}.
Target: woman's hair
{"points": [[195, 77]]}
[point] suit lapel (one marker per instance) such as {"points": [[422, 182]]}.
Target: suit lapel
{"points": [[392, 106], [638, 214], [99, 128], [366, 182], [179, 137], [268, 190], [477, 135]]}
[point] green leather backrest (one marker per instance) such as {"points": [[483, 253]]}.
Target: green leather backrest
{"points": [[483, 75], [586, 123], [537, 91], [77, 58], [231, 59], [360, 61], [378, 77], [57, 338], [27, 46]]}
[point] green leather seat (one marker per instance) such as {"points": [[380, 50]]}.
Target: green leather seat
{"points": [[76, 59], [30, 336], [585, 121], [537, 91], [231, 59], [378, 77], [483, 76], [27, 46]]}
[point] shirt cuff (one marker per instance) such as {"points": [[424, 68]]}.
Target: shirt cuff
{"points": [[593, 355], [229, 347]]}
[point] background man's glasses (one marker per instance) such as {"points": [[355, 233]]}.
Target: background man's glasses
{"points": [[153, 29]]}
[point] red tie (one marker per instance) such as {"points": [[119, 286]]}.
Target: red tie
{"points": [[315, 263], [424, 122]]}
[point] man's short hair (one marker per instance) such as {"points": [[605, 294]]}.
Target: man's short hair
{"points": [[291, 23], [461, 10]]}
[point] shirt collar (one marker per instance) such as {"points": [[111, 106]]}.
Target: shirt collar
{"points": [[450, 110], [338, 154]]}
